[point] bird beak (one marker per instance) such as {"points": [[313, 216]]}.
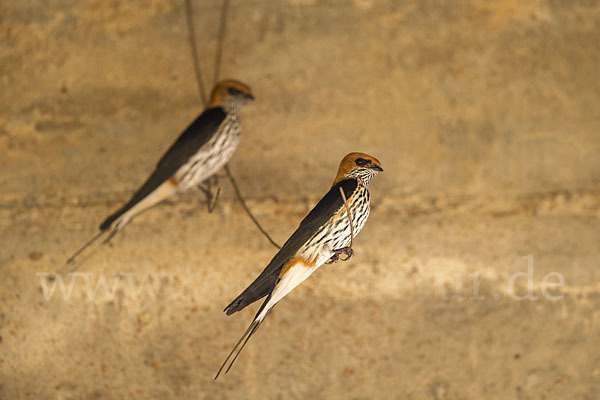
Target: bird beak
{"points": [[249, 96], [377, 168]]}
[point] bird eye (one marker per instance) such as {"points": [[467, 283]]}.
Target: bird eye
{"points": [[233, 91], [361, 162]]}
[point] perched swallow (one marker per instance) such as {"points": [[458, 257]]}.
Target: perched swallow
{"points": [[323, 235], [201, 150]]}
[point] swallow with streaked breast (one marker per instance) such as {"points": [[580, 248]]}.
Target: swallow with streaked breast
{"points": [[323, 235], [205, 146]]}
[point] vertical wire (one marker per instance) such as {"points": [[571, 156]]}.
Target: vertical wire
{"points": [[193, 47]]}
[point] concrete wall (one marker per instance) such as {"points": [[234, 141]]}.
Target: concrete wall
{"points": [[485, 115]]}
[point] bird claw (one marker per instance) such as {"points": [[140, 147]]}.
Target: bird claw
{"points": [[211, 198], [211, 201], [347, 251]]}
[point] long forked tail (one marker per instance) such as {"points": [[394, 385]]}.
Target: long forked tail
{"points": [[72, 262], [249, 332], [258, 319]]}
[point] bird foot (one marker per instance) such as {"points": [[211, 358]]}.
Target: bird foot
{"points": [[211, 200], [347, 251], [211, 197]]}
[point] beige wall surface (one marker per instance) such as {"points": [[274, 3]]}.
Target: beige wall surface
{"points": [[484, 114]]}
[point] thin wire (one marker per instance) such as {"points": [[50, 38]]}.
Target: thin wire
{"points": [[243, 203], [193, 47], [218, 56], [220, 40]]}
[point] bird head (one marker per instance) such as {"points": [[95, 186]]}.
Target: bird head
{"points": [[360, 166], [229, 93]]}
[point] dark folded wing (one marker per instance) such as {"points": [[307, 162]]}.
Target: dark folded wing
{"points": [[193, 138], [318, 216], [189, 142]]}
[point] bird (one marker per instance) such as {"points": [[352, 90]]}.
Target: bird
{"points": [[203, 148], [323, 236]]}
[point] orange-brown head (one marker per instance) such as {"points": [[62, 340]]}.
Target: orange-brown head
{"points": [[360, 166], [230, 92]]}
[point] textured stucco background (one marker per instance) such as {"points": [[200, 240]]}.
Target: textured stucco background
{"points": [[485, 115]]}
